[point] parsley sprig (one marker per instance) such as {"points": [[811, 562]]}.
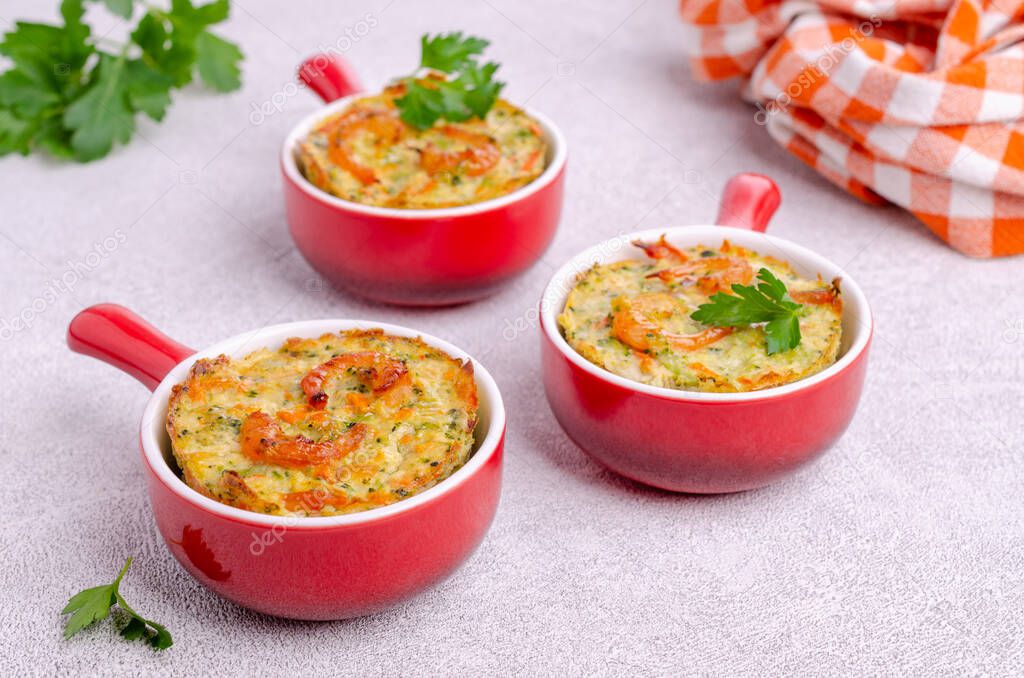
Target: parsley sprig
{"points": [[91, 605], [74, 95], [768, 303], [468, 88]]}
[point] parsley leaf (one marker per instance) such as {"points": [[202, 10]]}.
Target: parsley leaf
{"points": [[782, 334], [421, 106], [87, 607], [481, 91], [122, 8], [466, 89], [102, 115], [51, 57], [20, 94], [201, 16], [64, 94], [450, 52], [92, 605], [168, 46], [149, 90], [218, 62], [453, 104], [767, 303], [157, 635], [15, 134]]}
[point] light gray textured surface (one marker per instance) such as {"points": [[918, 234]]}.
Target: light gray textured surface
{"points": [[900, 551]]}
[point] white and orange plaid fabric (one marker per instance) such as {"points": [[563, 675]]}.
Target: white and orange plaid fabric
{"points": [[915, 102]]}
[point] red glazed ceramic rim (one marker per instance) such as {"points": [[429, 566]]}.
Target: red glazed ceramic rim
{"points": [[556, 158], [857, 321], [156, 445]]}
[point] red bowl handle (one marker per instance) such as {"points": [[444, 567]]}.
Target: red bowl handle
{"points": [[330, 76], [117, 336], [748, 202]]}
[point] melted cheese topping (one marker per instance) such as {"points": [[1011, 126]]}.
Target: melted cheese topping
{"points": [[338, 424], [366, 154], [632, 318]]}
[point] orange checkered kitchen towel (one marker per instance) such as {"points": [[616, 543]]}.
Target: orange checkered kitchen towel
{"points": [[915, 102]]}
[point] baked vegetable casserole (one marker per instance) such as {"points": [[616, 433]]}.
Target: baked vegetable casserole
{"points": [[369, 155], [343, 423], [634, 318]]}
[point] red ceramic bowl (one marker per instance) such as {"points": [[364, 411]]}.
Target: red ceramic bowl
{"points": [[429, 257], [303, 568], [706, 442]]}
